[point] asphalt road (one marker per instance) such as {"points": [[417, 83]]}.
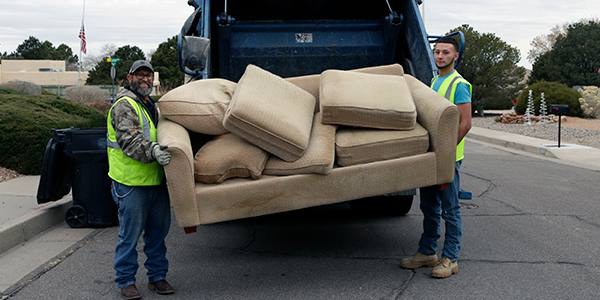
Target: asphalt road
{"points": [[532, 231]]}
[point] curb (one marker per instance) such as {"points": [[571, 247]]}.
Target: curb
{"points": [[24, 228], [507, 140]]}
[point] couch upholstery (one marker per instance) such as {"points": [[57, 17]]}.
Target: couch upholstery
{"points": [[196, 203]]}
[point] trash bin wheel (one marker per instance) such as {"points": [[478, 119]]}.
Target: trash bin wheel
{"points": [[76, 217]]}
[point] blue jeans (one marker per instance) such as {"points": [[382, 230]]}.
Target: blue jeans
{"points": [[141, 209], [439, 204]]}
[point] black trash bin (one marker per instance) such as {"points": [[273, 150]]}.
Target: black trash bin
{"points": [[84, 155]]}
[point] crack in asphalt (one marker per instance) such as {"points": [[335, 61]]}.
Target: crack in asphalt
{"points": [[507, 204], [405, 285], [538, 262], [580, 219], [251, 241], [491, 185]]}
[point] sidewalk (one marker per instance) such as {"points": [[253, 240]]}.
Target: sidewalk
{"points": [[572, 154], [21, 218]]}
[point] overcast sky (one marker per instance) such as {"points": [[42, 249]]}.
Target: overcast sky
{"points": [[146, 23]]}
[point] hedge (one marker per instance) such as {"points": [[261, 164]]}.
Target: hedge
{"points": [[554, 93], [26, 123]]}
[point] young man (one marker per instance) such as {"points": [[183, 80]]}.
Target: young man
{"points": [[441, 202], [135, 165]]}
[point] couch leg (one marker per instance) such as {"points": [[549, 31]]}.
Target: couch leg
{"points": [[190, 229]]}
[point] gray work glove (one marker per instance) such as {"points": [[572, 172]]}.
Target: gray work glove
{"points": [[160, 153]]}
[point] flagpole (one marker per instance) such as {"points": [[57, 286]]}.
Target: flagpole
{"points": [[80, 52]]}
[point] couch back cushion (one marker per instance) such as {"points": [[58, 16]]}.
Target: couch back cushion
{"points": [[228, 156], [199, 106], [271, 113], [366, 100], [318, 158], [358, 146], [311, 83]]}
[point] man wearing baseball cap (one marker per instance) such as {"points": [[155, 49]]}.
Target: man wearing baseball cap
{"points": [[136, 163]]}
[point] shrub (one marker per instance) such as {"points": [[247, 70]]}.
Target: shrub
{"points": [[498, 104], [91, 96], [27, 122], [23, 87], [85, 93], [554, 93], [4, 91], [590, 101]]}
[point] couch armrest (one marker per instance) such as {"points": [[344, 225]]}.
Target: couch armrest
{"points": [[180, 172], [441, 119]]}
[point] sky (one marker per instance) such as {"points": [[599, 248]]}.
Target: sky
{"points": [[148, 23]]}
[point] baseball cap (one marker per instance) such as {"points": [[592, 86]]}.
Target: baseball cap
{"points": [[140, 64]]}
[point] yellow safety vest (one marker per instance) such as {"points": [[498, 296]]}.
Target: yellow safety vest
{"points": [[448, 90], [124, 169]]}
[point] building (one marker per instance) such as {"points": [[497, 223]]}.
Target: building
{"points": [[40, 72], [50, 74]]}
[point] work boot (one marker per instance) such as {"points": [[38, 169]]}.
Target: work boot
{"points": [[130, 293], [419, 260], [161, 287], [445, 268]]}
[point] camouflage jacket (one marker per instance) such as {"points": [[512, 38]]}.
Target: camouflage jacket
{"points": [[128, 130]]}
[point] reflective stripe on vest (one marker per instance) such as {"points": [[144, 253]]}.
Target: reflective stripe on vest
{"points": [[123, 168], [448, 90]]}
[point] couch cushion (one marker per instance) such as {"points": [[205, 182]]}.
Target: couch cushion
{"points": [[318, 158], [358, 146], [198, 106], [228, 156], [366, 100], [271, 113], [310, 83]]}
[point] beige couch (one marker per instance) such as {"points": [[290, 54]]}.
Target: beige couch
{"points": [[196, 203]]}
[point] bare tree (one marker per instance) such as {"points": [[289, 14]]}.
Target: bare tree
{"points": [[543, 43]]}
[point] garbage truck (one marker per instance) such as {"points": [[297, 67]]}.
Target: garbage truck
{"points": [[301, 37]]}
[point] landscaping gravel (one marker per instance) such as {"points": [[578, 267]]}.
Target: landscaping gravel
{"points": [[6, 174], [580, 136]]}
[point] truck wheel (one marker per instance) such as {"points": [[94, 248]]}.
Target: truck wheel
{"points": [[76, 217], [398, 205]]}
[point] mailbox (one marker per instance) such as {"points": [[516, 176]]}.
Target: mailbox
{"points": [[559, 109]]}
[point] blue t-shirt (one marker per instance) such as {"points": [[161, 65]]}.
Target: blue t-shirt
{"points": [[462, 94]]}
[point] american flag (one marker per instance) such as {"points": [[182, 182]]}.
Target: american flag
{"points": [[83, 41]]}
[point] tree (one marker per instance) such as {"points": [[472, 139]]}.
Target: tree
{"points": [[574, 59], [490, 65], [100, 74], [164, 61], [542, 44], [33, 48], [64, 52]]}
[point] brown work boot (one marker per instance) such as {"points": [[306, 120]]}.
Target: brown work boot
{"points": [[419, 260], [161, 287], [445, 268], [130, 292]]}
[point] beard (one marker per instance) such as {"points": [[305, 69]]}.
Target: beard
{"points": [[144, 92]]}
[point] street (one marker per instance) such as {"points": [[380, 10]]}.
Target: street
{"points": [[532, 231]]}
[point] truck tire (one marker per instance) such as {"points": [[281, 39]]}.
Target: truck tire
{"points": [[397, 205]]}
